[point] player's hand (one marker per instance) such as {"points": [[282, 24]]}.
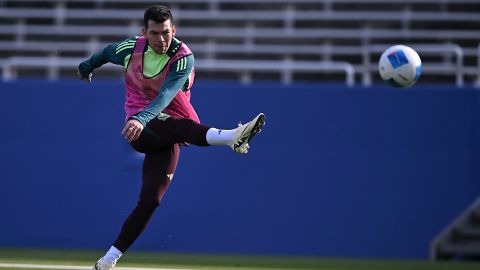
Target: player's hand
{"points": [[87, 78], [132, 130]]}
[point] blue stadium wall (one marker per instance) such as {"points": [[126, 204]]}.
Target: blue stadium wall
{"points": [[372, 173]]}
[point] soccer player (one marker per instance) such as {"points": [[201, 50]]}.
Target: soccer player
{"points": [[159, 116]]}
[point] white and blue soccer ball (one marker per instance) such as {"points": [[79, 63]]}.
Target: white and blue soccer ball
{"points": [[400, 66]]}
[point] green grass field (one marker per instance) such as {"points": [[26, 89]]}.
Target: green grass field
{"points": [[133, 259]]}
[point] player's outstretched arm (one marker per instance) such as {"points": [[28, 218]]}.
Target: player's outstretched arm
{"points": [[87, 78], [98, 59], [114, 53]]}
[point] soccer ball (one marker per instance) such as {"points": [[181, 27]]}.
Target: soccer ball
{"points": [[400, 66]]}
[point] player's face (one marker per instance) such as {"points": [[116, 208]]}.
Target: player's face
{"points": [[159, 35]]}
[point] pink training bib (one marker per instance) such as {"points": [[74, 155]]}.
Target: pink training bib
{"points": [[142, 90]]}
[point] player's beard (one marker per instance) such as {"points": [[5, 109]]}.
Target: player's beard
{"points": [[161, 49]]}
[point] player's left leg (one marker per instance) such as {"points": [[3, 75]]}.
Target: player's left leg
{"points": [[166, 131], [159, 132], [243, 134]]}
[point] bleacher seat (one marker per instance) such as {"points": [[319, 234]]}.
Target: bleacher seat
{"points": [[232, 39]]}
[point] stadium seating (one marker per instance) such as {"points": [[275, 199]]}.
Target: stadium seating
{"points": [[251, 40], [461, 239]]}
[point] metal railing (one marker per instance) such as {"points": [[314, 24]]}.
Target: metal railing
{"points": [[243, 67], [285, 67]]}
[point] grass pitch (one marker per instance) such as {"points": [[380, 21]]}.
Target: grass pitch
{"points": [[56, 259]]}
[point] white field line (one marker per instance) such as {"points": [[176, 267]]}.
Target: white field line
{"points": [[72, 267]]}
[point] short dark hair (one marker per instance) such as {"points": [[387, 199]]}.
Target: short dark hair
{"points": [[157, 13]]}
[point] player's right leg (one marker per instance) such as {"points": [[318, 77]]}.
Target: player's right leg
{"points": [[157, 173]]}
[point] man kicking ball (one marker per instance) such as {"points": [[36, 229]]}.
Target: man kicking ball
{"points": [[159, 115]]}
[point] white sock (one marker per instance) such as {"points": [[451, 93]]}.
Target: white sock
{"points": [[113, 254], [220, 136]]}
